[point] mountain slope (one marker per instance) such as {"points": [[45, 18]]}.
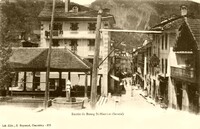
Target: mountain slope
{"points": [[143, 14]]}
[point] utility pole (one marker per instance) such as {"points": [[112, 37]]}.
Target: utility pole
{"points": [[49, 58], [96, 62]]}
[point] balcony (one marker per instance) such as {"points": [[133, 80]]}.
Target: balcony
{"points": [[183, 74], [68, 34]]}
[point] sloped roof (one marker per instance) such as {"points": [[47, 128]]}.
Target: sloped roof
{"points": [[35, 59], [189, 36], [84, 12], [170, 24], [194, 26]]}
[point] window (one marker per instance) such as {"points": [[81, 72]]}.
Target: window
{"points": [[91, 44], [90, 60], [162, 65], [106, 25], [92, 26], [74, 26], [166, 41], [56, 26], [74, 45], [57, 29], [75, 9], [166, 65], [162, 42]]}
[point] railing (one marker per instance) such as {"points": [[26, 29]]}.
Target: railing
{"points": [[183, 74], [69, 34], [57, 32]]}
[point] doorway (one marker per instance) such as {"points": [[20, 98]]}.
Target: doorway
{"points": [[179, 95]]}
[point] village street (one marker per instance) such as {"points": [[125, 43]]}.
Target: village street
{"points": [[111, 64], [132, 111]]}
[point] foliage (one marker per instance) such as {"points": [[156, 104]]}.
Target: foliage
{"points": [[5, 52], [22, 19]]}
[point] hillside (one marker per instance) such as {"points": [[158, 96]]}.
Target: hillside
{"points": [[22, 19], [143, 14]]}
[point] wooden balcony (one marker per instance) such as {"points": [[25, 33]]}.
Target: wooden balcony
{"points": [[184, 74]]}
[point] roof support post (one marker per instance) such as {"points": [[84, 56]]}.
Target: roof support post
{"points": [[16, 78], [34, 82], [86, 84], [24, 81], [60, 84]]}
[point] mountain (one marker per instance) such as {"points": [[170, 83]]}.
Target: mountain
{"points": [[143, 14], [22, 19]]}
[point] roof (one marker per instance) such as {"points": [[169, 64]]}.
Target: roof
{"points": [[35, 59], [194, 26], [177, 22], [60, 14], [188, 38], [169, 24]]}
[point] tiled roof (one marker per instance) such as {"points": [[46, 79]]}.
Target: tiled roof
{"points": [[62, 59], [194, 26], [84, 12], [170, 24]]}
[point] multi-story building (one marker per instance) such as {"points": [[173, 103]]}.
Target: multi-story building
{"points": [[74, 28], [171, 66]]}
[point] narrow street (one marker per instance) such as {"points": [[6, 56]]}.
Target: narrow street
{"points": [[130, 100], [131, 112]]}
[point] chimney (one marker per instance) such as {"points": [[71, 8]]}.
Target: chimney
{"points": [[67, 2], [183, 10]]}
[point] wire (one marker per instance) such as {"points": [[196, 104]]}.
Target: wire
{"points": [[111, 52]]}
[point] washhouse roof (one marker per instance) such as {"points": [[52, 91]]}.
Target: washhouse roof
{"points": [[35, 59]]}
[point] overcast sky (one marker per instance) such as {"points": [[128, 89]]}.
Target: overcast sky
{"points": [[83, 2]]}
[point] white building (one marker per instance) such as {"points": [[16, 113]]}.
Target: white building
{"points": [[74, 28]]}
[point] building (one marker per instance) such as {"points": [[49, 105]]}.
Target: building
{"points": [[74, 28], [184, 81], [171, 66]]}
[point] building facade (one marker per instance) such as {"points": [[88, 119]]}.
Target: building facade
{"points": [[171, 66], [74, 28]]}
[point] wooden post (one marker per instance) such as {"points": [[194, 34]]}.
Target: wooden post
{"points": [[86, 83], [69, 76], [16, 79], [96, 62], [60, 84], [33, 87], [49, 58], [91, 78], [24, 81]]}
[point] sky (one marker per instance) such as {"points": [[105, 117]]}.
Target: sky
{"points": [[198, 1], [83, 2]]}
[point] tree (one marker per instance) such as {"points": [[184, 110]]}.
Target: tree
{"points": [[5, 53], [22, 20]]}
